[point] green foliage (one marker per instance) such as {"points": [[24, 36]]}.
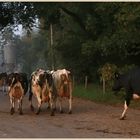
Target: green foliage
{"points": [[86, 35], [126, 68], [107, 72], [94, 93], [32, 52]]}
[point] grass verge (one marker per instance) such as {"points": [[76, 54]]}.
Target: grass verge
{"points": [[94, 93]]}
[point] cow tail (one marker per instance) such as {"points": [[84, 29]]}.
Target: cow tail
{"points": [[26, 85], [30, 90]]}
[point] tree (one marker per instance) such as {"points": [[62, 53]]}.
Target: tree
{"points": [[86, 35]]}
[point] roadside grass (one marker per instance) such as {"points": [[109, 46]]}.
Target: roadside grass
{"points": [[94, 93]]}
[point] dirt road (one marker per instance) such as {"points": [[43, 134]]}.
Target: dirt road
{"points": [[89, 120]]}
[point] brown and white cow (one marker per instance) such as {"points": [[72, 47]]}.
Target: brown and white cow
{"points": [[16, 91], [63, 87], [41, 88]]}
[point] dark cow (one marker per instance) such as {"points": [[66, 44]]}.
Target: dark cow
{"points": [[41, 88], [18, 86], [131, 83]]}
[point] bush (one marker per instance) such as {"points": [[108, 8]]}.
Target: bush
{"points": [[106, 73]]}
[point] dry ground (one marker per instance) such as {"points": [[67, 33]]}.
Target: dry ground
{"points": [[89, 120]]}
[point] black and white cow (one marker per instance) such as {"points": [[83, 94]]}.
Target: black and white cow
{"points": [[41, 88], [23, 80], [18, 86], [131, 83]]}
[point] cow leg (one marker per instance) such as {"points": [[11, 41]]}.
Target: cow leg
{"points": [[60, 104], [55, 100], [12, 111], [20, 106], [39, 105], [52, 104], [38, 110], [124, 111], [48, 105], [3, 89], [70, 105], [126, 104], [6, 90], [30, 100]]}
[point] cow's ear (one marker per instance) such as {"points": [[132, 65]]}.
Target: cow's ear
{"points": [[68, 72], [117, 75]]}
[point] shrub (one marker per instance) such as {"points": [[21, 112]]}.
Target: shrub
{"points": [[106, 73]]}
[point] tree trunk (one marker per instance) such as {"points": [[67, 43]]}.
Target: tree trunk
{"points": [[86, 82], [52, 52]]}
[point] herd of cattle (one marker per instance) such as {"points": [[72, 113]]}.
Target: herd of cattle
{"points": [[50, 86], [46, 86]]}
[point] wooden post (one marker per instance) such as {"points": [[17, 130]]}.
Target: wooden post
{"points": [[86, 82], [103, 85], [52, 52], [73, 82]]}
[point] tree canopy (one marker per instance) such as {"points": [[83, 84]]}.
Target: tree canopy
{"points": [[86, 34]]}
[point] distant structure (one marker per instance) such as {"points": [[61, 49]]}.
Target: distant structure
{"points": [[8, 58], [2, 68]]}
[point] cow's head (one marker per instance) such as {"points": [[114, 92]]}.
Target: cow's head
{"points": [[3, 75], [117, 82], [64, 79]]}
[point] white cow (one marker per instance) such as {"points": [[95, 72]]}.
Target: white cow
{"points": [[63, 87]]}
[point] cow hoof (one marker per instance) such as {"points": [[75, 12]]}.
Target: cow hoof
{"points": [[52, 114], [12, 111], [20, 113], [61, 111], [48, 107], [37, 113], [122, 118], [70, 112], [32, 108]]}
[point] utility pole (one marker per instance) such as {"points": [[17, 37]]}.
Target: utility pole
{"points": [[52, 51]]}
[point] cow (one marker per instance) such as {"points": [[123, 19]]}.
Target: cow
{"points": [[41, 88], [131, 83], [63, 87], [23, 80], [16, 91], [3, 77]]}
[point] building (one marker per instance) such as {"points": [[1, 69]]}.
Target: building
{"points": [[9, 57]]}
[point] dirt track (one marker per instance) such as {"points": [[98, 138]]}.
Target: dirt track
{"points": [[89, 120]]}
